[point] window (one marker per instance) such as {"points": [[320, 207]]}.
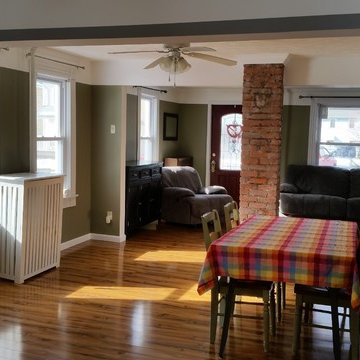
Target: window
{"points": [[50, 125], [53, 127], [148, 138], [337, 139]]}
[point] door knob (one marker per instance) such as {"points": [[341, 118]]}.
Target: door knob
{"points": [[213, 166]]}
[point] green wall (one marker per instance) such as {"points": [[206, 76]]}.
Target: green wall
{"points": [[14, 121], [98, 151], [192, 127], [191, 133], [295, 135], [76, 220], [105, 158], [131, 126], [169, 148]]}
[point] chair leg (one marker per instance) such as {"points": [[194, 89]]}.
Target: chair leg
{"points": [[266, 320], [272, 313], [354, 334], [278, 301], [222, 310], [335, 326], [297, 323], [308, 308], [283, 295], [230, 299], [213, 313]]}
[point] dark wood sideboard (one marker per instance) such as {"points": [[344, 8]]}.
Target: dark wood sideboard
{"points": [[143, 194]]}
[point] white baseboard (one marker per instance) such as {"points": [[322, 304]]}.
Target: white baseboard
{"points": [[91, 236], [103, 237], [76, 241]]}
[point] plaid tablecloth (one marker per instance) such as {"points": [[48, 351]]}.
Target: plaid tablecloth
{"points": [[297, 250]]}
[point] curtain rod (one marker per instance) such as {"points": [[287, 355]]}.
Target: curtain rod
{"points": [[149, 88], [58, 61], [328, 97]]}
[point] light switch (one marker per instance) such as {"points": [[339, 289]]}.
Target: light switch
{"points": [[112, 129]]}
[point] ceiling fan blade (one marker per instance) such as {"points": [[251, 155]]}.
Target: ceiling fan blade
{"points": [[138, 52], [196, 48], [212, 58], [155, 63]]}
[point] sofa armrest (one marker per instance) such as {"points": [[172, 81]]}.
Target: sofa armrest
{"points": [[288, 188], [177, 192], [213, 189]]}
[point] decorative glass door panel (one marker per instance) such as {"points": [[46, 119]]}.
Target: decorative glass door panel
{"points": [[230, 143]]}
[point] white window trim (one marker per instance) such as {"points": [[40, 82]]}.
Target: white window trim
{"points": [[155, 124], [314, 126], [41, 67]]}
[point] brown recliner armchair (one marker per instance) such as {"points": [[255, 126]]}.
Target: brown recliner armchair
{"points": [[184, 199]]}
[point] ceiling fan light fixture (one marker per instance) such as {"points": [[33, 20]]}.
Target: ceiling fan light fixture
{"points": [[174, 64]]}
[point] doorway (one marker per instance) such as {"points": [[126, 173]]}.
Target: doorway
{"points": [[225, 159]]}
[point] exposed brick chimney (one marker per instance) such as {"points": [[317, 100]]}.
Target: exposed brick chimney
{"points": [[261, 139]]}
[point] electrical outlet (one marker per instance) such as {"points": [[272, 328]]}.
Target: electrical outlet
{"points": [[112, 129], [108, 218]]}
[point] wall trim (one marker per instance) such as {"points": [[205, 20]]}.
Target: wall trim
{"points": [[68, 244], [91, 236], [103, 237]]}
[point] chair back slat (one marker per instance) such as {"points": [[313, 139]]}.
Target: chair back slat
{"points": [[231, 212], [211, 227]]}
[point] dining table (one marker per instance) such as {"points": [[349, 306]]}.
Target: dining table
{"points": [[314, 252]]}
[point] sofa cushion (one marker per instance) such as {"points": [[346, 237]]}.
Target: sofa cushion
{"points": [[181, 176], [213, 189], [313, 206], [288, 188], [201, 204], [354, 184], [353, 208], [325, 180]]}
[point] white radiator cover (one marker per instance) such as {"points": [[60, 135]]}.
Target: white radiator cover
{"points": [[30, 224]]}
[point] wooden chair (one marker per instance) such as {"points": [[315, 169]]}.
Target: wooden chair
{"points": [[231, 212], [331, 297], [232, 219], [225, 290]]}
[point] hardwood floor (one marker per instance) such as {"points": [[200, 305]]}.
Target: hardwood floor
{"points": [[135, 301]]}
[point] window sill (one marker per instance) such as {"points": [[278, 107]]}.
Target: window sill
{"points": [[69, 201]]}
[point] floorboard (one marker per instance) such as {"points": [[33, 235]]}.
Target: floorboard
{"points": [[135, 301]]}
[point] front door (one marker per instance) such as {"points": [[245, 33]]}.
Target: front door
{"points": [[226, 130]]}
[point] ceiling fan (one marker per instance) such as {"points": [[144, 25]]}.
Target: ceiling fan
{"points": [[174, 62]]}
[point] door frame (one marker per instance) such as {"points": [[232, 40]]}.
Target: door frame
{"points": [[208, 133]]}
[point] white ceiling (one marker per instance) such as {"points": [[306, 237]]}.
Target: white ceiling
{"points": [[244, 52]]}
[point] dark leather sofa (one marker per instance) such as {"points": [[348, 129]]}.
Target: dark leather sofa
{"points": [[323, 192]]}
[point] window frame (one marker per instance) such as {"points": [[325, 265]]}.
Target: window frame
{"points": [[315, 123], [154, 127], [43, 69]]}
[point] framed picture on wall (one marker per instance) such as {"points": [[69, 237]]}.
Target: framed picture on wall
{"points": [[170, 126]]}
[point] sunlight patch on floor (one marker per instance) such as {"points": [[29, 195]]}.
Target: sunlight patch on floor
{"points": [[173, 256], [122, 293], [192, 295]]}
